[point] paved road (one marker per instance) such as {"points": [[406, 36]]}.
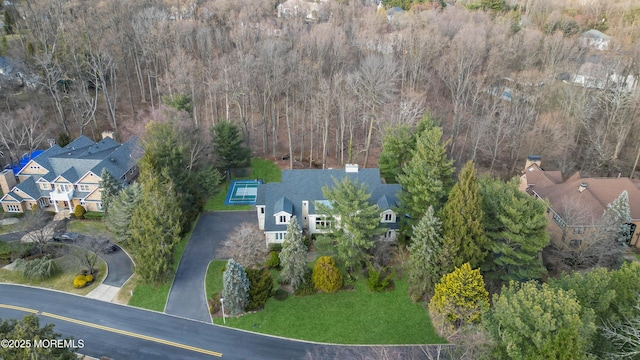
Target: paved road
{"points": [[14, 236], [122, 332], [187, 297]]}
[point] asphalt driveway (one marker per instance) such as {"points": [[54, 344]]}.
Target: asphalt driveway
{"points": [[187, 297]]}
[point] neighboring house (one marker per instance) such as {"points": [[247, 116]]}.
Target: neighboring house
{"points": [[61, 178], [577, 204], [595, 39], [300, 190], [605, 72], [293, 8]]}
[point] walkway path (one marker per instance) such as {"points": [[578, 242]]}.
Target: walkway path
{"points": [[187, 297]]}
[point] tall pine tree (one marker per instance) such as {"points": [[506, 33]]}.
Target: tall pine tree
{"points": [[462, 227], [359, 220], [118, 220], [155, 229], [515, 224], [110, 188], [616, 219], [427, 178], [228, 147], [426, 253], [293, 257], [235, 291]]}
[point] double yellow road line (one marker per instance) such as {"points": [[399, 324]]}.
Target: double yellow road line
{"points": [[114, 330]]}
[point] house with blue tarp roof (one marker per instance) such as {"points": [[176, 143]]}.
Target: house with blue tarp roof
{"points": [[63, 177], [300, 190]]}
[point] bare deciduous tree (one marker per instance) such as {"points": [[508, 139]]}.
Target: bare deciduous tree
{"points": [[246, 245]]}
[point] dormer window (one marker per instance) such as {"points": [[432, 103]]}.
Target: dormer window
{"points": [[45, 186], [282, 219], [387, 217]]}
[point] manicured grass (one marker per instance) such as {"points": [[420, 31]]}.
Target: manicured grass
{"points": [[152, 297], [260, 169], [214, 277], [70, 266], [346, 317], [89, 227]]}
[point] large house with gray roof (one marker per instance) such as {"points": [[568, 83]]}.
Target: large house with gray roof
{"points": [[299, 191], [63, 177]]}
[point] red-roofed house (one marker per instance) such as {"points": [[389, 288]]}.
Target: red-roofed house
{"points": [[577, 203]]}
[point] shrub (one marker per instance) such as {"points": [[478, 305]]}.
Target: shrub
{"points": [[379, 283], [79, 211], [88, 278], [276, 247], [273, 260], [306, 286], [40, 269], [326, 276], [280, 295], [306, 241], [79, 281], [260, 286], [93, 215], [214, 303]]}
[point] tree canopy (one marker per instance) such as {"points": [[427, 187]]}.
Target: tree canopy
{"points": [[357, 220], [293, 257], [228, 146], [28, 329], [426, 252]]}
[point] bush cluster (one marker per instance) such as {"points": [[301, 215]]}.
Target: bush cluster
{"points": [[81, 281], [79, 211], [93, 215], [306, 286], [326, 275], [378, 282], [40, 268], [273, 260], [261, 284], [214, 303]]}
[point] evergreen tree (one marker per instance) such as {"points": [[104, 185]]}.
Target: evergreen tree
{"points": [[110, 187], [155, 229], [460, 298], [293, 257], [260, 287], [228, 148], [515, 224], [396, 151], [462, 227], [235, 287], [616, 218], [28, 328], [528, 321], [428, 177], [359, 220], [326, 275], [426, 253], [118, 220]]}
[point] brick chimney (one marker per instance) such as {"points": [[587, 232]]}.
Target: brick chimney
{"points": [[108, 134], [7, 180]]}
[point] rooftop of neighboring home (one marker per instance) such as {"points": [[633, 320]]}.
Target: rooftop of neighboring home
{"points": [[306, 185], [591, 194], [74, 161]]}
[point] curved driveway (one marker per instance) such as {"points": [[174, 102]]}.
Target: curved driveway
{"points": [[187, 297]]}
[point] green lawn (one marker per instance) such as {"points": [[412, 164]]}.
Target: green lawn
{"points": [[214, 277], [260, 169], [155, 298], [89, 227], [346, 317]]}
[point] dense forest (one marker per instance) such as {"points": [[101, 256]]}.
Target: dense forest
{"points": [[323, 89]]}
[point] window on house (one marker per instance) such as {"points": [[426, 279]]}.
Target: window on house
{"points": [[578, 230], [45, 186], [558, 220], [322, 223], [387, 218], [261, 210], [282, 219], [13, 208], [84, 188]]}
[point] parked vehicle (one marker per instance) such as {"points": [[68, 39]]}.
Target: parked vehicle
{"points": [[66, 237]]}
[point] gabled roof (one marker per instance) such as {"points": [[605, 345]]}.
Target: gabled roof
{"points": [[306, 185], [78, 158], [283, 204], [599, 193]]}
